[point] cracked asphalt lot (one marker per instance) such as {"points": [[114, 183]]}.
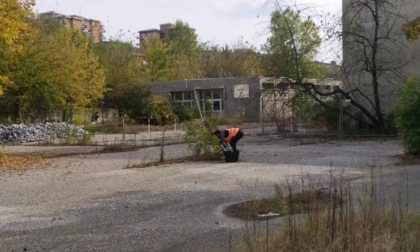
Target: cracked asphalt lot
{"points": [[93, 203]]}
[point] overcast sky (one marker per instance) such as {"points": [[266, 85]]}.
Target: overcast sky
{"points": [[216, 21]]}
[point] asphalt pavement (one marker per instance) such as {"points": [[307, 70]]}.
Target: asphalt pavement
{"points": [[92, 202]]}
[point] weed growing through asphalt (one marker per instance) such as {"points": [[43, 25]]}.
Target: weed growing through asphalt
{"points": [[367, 216]]}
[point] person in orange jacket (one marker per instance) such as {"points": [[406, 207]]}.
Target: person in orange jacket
{"points": [[231, 136]]}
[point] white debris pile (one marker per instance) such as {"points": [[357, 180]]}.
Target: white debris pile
{"points": [[21, 133]]}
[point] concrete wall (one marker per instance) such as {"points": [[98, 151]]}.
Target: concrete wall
{"points": [[396, 57], [236, 103]]}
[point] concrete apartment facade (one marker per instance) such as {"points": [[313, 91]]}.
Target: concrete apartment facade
{"points": [[86, 25], [396, 57], [162, 32]]}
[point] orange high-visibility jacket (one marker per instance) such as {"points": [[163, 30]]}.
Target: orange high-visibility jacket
{"points": [[232, 133]]}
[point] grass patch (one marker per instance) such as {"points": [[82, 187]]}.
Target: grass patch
{"points": [[118, 128], [278, 205]]}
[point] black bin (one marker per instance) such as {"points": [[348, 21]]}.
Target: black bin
{"points": [[231, 156]]}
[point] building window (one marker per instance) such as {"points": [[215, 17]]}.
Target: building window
{"points": [[218, 105], [268, 85], [283, 86], [185, 98], [211, 100], [327, 88]]}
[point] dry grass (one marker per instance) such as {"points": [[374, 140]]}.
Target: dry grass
{"points": [[366, 220], [20, 162], [279, 205]]}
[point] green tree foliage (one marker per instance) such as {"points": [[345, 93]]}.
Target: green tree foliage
{"points": [[201, 139], [13, 21], [181, 56], [13, 24], [216, 62], [135, 102], [412, 29], [309, 110], [183, 113], [156, 59], [161, 111], [184, 49], [407, 115], [55, 71], [292, 46], [122, 70]]}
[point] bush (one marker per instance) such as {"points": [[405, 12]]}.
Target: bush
{"points": [[183, 113], [75, 135], [161, 111], [135, 103], [306, 108], [406, 116], [201, 139], [78, 119]]}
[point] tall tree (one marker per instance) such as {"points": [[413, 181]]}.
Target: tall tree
{"points": [[156, 59], [56, 71], [240, 60], [184, 48], [291, 49], [289, 56], [373, 64], [13, 24], [122, 68]]}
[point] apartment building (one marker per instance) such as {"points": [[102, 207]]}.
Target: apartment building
{"points": [[86, 25], [162, 32]]}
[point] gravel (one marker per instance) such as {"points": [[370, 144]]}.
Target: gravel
{"points": [[93, 203], [22, 133]]}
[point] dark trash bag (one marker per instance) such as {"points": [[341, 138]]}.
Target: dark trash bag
{"points": [[231, 156]]}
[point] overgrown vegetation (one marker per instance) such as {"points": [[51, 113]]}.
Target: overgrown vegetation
{"points": [[407, 116], [278, 205], [201, 139], [345, 218], [73, 136], [309, 111]]}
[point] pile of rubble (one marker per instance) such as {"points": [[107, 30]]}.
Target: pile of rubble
{"points": [[21, 133]]}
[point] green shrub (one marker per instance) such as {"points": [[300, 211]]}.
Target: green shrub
{"points": [[78, 119], [407, 117], [161, 111], [201, 139], [71, 136], [135, 102], [183, 113], [309, 110]]}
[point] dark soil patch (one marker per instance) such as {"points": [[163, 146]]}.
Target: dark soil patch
{"points": [[116, 148], [173, 161], [409, 159], [275, 207]]}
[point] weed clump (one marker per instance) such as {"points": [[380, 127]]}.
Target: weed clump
{"points": [[341, 218]]}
